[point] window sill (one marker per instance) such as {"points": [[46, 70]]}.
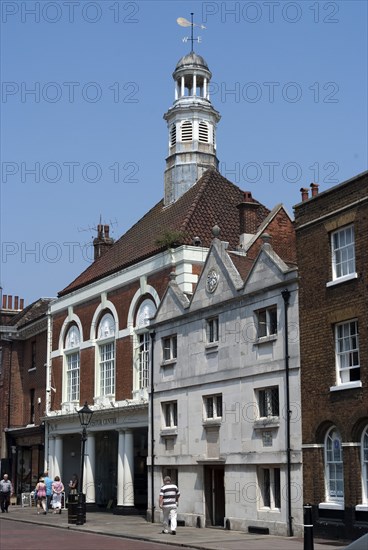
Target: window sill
{"points": [[349, 277], [33, 369], [268, 510], [331, 505], [169, 432], [265, 339], [268, 423], [347, 386], [212, 423], [361, 507], [168, 363], [212, 347]]}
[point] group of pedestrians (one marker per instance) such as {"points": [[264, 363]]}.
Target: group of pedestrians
{"points": [[48, 494]]}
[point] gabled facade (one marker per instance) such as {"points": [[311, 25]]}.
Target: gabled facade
{"points": [[23, 349], [332, 237], [225, 373]]}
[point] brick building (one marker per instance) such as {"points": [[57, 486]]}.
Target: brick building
{"points": [[100, 322], [332, 237], [22, 390]]}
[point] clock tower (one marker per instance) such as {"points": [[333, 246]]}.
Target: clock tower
{"points": [[191, 122]]}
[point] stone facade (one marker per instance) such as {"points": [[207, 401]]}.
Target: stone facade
{"points": [[220, 419]]}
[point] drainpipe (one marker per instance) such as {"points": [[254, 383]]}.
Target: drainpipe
{"points": [[286, 296], [153, 335], [48, 390]]}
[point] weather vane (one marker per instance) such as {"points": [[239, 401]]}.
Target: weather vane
{"points": [[185, 23]]}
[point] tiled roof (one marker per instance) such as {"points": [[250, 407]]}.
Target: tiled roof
{"points": [[212, 200], [31, 313]]}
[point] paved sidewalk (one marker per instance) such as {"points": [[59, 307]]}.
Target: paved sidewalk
{"points": [[136, 527]]}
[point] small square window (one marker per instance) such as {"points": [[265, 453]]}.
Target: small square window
{"points": [[266, 322], [170, 414], [170, 348], [268, 402], [213, 406]]}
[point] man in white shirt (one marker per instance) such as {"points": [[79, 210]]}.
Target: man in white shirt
{"points": [[6, 490]]}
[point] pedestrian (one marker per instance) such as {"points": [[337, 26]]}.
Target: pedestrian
{"points": [[73, 488], [6, 490], [41, 495], [57, 490], [169, 500], [48, 483]]}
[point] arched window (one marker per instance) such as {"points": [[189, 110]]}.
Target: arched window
{"points": [[186, 131], [173, 135], [365, 465], [146, 310], [72, 362], [106, 356], [334, 469], [203, 132]]}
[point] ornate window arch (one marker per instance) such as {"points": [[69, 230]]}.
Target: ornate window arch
{"points": [[72, 343], [105, 372], [334, 468], [145, 311]]}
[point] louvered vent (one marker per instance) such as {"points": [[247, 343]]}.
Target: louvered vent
{"points": [[173, 135], [203, 132], [186, 131]]}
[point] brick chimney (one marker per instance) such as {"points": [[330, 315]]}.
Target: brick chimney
{"points": [[314, 187], [247, 219], [305, 192], [10, 307], [103, 241]]}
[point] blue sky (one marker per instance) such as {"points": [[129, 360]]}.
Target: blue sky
{"points": [[84, 89]]}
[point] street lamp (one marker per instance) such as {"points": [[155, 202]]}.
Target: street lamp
{"points": [[85, 415]]}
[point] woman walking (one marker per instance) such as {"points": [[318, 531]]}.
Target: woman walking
{"points": [[57, 489], [41, 495]]}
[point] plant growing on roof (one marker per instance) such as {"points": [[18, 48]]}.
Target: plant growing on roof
{"points": [[170, 238]]}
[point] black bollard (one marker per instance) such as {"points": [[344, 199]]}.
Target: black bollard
{"points": [[308, 528]]}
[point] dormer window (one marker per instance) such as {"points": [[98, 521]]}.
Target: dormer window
{"points": [[186, 131], [203, 132]]}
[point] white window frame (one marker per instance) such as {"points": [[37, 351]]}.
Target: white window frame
{"points": [[169, 348], [266, 400], [343, 254], [106, 365], [142, 348], [72, 365], [212, 407], [169, 414], [347, 360], [143, 359], [333, 463], [269, 481], [267, 322]]}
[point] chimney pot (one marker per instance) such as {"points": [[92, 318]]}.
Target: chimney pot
{"points": [[4, 301], [10, 301], [21, 305], [305, 192], [106, 231], [16, 300]]}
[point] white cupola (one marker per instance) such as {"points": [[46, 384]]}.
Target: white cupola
{"points": [[191, 122]]}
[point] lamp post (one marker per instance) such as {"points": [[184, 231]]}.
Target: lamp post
{"points": [[85, 415]]}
